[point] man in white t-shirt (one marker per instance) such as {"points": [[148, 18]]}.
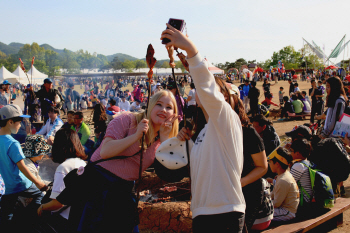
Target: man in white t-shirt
{"points": [[124, 104], [135, 106]]}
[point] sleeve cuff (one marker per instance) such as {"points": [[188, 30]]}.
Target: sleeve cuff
{"points": [[54, 195], [193, 61]]}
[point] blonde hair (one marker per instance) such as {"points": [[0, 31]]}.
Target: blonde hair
{"points": [[152, 102]]}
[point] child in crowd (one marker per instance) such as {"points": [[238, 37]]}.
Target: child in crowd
{"points": [[306, 101], [300, 150], [268, 101], [280, 95], [298, 105], [296, 87], [70, 120], [285, 193], [17, 177]]}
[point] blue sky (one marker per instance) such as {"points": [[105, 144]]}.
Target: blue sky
{"points": [[222, 30]]}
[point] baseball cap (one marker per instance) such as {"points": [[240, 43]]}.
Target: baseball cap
{"points": [[11, 111], [47, 80], [36, 145], [233, 89], [274, 154], [28, 85], [300, 131], [6, 82]]}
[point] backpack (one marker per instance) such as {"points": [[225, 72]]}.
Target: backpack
{"points": [[331, 157], [323, 195]]}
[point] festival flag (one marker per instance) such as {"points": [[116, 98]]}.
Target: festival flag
{"points": [[22, 65], [337, 50], [315, 50]]}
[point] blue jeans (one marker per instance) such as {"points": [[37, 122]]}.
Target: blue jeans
{"points": [[8, 203]]}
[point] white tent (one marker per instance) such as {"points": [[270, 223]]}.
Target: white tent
{"points": [[36, 76], [21, 76], [7, 75], [213, 69]]}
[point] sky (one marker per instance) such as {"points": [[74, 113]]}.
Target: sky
{"points": [[221, 30]]}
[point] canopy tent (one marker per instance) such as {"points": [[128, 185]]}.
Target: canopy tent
{"points": [[331, 67], [36, 76], [213, 69], [7, 75]]}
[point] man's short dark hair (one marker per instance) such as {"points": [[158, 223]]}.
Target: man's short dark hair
{"points": [[302, 146], [285, 98], [54, 110], [253, 83], [303, 92], [285, 154], [71, 112], [112, 102], [3, 123], [192, 85], [296, 84], [79, 114], [294, 97]]}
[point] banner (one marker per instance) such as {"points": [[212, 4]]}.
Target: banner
{"points": [[318, 53], [336, 51]]}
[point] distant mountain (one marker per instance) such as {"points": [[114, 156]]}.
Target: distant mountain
{"points": [[121, 57], [14, 47], [7, 49], [49, 47]]}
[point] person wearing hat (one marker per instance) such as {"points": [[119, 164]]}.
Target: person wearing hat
{"points": [[35, 149], [18, 178], [285, 193], [47, 96], [4, 93], [300, 132]]}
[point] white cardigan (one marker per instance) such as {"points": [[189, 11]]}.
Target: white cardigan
{"points": [[217, 155]]}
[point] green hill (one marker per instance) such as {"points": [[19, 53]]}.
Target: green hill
{"points": [[49, 47], [121, 57], [7, 49]]}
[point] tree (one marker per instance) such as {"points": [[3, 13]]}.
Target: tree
{"points": [[68, 61], [2, 55], [178, 64], [140, 64], [165, 65], [28, 51], [116, 64], [128, 65]]}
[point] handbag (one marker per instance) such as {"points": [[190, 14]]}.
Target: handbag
{"points": [[79, 181]]}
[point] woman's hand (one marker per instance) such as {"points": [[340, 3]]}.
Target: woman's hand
{"points": [[166, 127], [179, 40], [184, 134], [142, 127]]}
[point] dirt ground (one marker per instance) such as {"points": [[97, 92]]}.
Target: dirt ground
{"points": [[281, 128]]}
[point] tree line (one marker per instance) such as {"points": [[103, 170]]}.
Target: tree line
{"points": [[51, 62]]}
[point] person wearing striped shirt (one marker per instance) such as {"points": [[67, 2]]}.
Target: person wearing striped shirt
{"points": [[300, 150]]}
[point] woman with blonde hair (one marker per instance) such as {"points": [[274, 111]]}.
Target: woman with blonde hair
{"points": [[114, 206]]}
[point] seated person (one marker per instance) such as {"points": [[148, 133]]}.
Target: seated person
{"points": [[69, 153], [35, 149], [94, 100], [81, 128], [124, 104], [135, 106], [306, 101], [53, 124], [287, 108], [104, 102], [115, 109], [70, 120], [285, 193], [300, 150], [296, 87], [298, 105], [268, 101]]}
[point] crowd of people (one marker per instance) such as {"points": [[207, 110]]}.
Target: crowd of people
{"points": [[242, 175]]}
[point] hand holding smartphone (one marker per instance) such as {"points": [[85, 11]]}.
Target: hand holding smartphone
{"points": [[179, 24]]}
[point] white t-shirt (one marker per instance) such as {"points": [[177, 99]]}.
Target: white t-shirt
{"points": [[133, 106], [124, 106], [192, 93], [58, 184]]}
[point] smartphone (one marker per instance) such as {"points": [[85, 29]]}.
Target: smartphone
{"points": [[179, 24]]}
